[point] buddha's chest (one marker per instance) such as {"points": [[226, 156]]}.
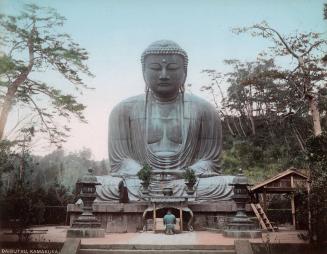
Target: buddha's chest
{"points": [[167, 129], [164, 123], [164, 128]]}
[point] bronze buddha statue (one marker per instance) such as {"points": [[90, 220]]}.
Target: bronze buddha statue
{"points": [[167, 129]]}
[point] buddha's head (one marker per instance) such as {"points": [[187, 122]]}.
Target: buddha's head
{"points": [[164, 65]]}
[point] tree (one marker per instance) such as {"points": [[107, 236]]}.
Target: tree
{"points": [[5, 164], [33, 45], [14, 163], [58, 168], [260, 134], [325, 17], [256, 91], [308, 77]]}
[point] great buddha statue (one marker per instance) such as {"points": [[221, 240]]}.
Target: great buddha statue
{"points": [[167, 129]]}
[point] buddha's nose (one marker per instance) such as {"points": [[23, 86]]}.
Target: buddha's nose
{"points": [[163, 75]]}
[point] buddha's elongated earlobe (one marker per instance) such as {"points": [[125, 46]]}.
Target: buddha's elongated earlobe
{"points": [[182, 88], [147, 90]]}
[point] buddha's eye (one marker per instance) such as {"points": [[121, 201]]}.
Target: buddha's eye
{"points": [[154, 66], [172, 66]]}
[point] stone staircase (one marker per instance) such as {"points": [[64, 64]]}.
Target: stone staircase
{"points": [[156, 249], [74, 246]]}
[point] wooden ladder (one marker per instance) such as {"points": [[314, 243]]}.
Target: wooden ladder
{"points": [[262, 217]]}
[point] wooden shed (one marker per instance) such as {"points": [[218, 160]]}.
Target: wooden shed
{"points": [[286, 182]]}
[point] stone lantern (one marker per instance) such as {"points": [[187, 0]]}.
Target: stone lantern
{"points": [[87, 225], [240, 226]]}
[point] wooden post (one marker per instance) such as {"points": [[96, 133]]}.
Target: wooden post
{"points": [[181, 217], [154, 217], [309, 206], [293, 210], [293, 202], [264, 197]]}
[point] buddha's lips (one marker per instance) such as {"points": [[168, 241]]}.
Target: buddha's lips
{"points": [[163, 84]]}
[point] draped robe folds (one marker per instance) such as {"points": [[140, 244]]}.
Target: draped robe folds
{"points": [[195, 128]]}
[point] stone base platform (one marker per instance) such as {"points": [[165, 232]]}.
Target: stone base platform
{"points": [[127, 217], [85, 233], [243, 234]]}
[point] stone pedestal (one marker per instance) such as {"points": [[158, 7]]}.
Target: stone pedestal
{"points": [[86, 225], [237, 229], [240, 226], [123, 218], [85, 232]]}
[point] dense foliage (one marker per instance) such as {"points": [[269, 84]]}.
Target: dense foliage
{"points": [[264, 129], [36, 190], [317, 154]]}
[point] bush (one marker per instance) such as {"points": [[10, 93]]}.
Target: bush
{"points": [[145, 174], [189, 176], [23, 210]]}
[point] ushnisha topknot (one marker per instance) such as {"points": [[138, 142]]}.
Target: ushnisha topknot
{"points": [[166, 47]]}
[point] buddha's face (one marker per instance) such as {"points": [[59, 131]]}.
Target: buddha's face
{"points": [[164, 74]]}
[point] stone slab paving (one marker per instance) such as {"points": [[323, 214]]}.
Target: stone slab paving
{"points": [[53, 234], [281, 237], [211, 238], [185, 238], [58, 234]]}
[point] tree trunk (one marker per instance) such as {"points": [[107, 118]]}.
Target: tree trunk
{"points": [[309, 182], [252, 125], [315, 116], [236, 128], [229, 127], [8, 101], [317, 131], [298, 138], [241, 126]]}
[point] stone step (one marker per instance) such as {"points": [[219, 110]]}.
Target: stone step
{"points": [[129, 251], [156, 247]]}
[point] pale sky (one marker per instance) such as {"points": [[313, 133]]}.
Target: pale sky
{"points": [[115, 33]]}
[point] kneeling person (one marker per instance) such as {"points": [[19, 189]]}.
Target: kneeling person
{"points": [[169, 220]]}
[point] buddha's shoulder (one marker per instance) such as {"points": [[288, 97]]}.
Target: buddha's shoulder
{"points": [[129, 103], [132, 100], [198, 102]]}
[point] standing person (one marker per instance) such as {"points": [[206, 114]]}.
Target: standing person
{"points": [[169, 220]]}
